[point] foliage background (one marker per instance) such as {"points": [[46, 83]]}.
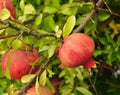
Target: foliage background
{"points": [[45, 16]]}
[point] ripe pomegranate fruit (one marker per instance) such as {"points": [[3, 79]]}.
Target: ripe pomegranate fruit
{"points": [[56, 82], [19, 62], [77, 50], [44, 90], [9, 5]]}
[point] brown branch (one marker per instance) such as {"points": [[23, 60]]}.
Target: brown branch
{"points": [[8, 36], [88, 18], [39, 72], [112, 13]]}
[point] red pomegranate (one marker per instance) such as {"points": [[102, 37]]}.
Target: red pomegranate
{"points": [[9, 5], [44, 90], [77, 50], [19, 62], [56, 82]]}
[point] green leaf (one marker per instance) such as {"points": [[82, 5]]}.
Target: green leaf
{"points": [[50, 85], [4, 14], [27, 78], [49, 9], [103, 16], [42, 80], [29, 9], [69, 11], [37, 86], [22, 5], [16, 44], [38, 20], [69, 25], [83, 91], [51, 50], [7, 72]]}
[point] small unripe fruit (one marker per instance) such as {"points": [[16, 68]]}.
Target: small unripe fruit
{"points": [[9, 5], [44, 90], [19, 61], [77, 50]]}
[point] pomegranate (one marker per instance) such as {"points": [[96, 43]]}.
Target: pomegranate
{"points": [[9, 5], [77, 50], [19, 64], [56, 82], [44, 90]]}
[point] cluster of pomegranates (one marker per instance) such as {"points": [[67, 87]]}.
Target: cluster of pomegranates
{"points": [[76, 50]]}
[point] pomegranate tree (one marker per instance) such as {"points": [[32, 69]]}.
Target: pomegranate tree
{"points": [[20, 62], [77, 50], [9, 5], [44, 90]]}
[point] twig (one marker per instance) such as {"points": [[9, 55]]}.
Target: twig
{"points": [[112, 13], [8, 36], [40, 71], [88, 18], [93, 85]]}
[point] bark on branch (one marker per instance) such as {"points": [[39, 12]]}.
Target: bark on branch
{"points": [[88, 18]]}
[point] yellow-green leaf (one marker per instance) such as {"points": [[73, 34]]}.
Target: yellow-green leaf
{"points": [[69, 25], [27, 78], [22, 4], [38, 20], [7, 72], [37, 87], [16, 44], [42, 80], [4, 14], [84, 91], [51, 50], [29, 9]]}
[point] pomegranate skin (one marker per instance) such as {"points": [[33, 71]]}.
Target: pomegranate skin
{"points": [[9, 5], [20, 60], [44, 90], [77, 50]]}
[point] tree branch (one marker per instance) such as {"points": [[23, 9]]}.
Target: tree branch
{"points": [[88, 18], [39, 72]]}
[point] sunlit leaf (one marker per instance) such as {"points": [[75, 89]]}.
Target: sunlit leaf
{"points": [[7, 72], [69, 25], [16, 44], [29, 9], [42, 79], [27, 78], [4, 14], [49, 9], [51, 50], [22, 4], [37, 86], [84, 91], [38, 20]]}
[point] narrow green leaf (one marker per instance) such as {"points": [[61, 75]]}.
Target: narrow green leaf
{"points": [[51, 50], [50, 85], [7, 72], [27, 78], [22, 5], [37, 86], [69, 25], [29, 9], [42, 80], [38, 20], [84, 91], [4, 14]]}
